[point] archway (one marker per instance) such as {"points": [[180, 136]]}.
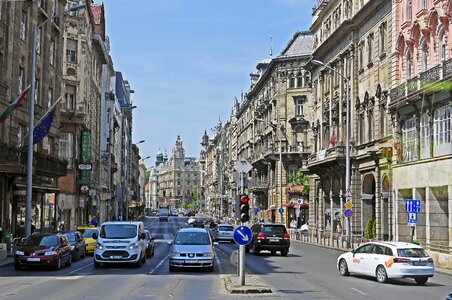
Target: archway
{"points": [[368, 198]]}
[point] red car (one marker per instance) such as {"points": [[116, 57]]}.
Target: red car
{"points": [[43, 249]]}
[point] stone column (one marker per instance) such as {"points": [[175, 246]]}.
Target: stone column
{"points": [[321, 223], [396, 214], [427, 215]]}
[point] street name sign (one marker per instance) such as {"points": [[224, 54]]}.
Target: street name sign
{"points": [[242, 235], [412, 205]]}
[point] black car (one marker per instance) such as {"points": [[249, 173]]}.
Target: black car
{"points": [[269, 236], [77, 243], [198, 223], [149, 240]]}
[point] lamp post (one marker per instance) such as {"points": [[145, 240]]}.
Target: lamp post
{"points": [[347, 142], [31, 112], [280, 167]]}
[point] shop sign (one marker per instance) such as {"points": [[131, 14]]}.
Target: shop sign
{"points": [[85, 144]]}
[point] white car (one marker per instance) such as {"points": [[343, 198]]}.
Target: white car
{"points": [[388, 260]]}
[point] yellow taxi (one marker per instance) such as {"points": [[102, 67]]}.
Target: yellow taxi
{"points": [[87, 232]]}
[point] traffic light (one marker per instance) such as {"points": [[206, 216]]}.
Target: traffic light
{"points": [[244, 208]]}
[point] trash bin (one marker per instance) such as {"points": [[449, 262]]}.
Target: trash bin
{"points": [[7, 238]]}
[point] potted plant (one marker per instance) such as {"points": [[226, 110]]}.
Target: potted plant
{"points": [[370, 230]]}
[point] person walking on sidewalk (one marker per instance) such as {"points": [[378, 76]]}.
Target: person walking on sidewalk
{"points": [[339, 231]]}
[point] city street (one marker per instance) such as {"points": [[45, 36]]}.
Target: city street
{"points": [[308, 272]]}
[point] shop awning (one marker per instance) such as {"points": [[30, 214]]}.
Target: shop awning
{"points": [[296, 205], [296, 189]]}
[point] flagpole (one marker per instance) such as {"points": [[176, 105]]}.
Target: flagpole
{"points": [[40, 120]]}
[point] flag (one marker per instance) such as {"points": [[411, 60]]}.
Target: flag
{"points": [[43, 128], [16, 102]]}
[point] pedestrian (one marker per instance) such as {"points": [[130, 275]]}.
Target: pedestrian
{"points": [[339, 231], [62, 227], [94, 222]]}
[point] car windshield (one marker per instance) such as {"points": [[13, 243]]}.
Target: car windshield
{"points": [[192, 238], [118, 231], [70, 236], [164, 214], [225, 228], [89, 233], [412, 252], [42, 240], [274, 229]]}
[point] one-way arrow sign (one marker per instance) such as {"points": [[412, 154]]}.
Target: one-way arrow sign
{"points": [[242, 235]]}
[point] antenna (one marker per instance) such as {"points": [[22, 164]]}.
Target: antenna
{"points": [[271, 46]]}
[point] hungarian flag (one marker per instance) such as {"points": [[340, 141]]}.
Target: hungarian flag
{"points": [[13, 105]]}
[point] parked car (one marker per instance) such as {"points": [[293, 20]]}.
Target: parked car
{"points": [[149, 240], [192, 247], [87, 232], [43, 249], [225, 232], [120, 242], [269, 236], [386, 260], [77, 244]]}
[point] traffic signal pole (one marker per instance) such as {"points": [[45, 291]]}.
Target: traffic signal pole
{"points": [[241, 247]]}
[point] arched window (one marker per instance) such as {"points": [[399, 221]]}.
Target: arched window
{"points": [[424, 56], [299, 79], [409, 10], [443, 45], [409, 65], [291, 81]]}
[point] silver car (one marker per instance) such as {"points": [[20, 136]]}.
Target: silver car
{"points": [[225, 232], [192, 247]]}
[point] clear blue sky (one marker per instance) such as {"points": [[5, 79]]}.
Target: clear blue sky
{"points": [[188, 59]]}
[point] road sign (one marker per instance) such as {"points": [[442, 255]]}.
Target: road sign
{"points": [[348, 194], [281, 210], [412, 218], [349, 204], [348, 213], [242, 235], [242, 166], [412, 205], [85, 167], [246, 181]]}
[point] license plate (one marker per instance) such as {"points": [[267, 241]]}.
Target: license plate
{"points": [[419, 263], [116, 257], [33, 259], [273, 240], [191, 261]]}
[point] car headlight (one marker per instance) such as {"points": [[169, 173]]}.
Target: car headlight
{"points": [[134, 246], [20, 253], [72, 248], [49, 253], [207, 254], [99, 246], [173, 254], [93, 244]]}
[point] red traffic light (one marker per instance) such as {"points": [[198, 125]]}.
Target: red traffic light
{"points": [[244, 199]]}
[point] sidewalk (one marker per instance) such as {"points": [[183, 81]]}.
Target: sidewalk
{"points": [[342, 248], [9, 261]]}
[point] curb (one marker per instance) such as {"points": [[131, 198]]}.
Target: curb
{"points": [[246, 289]]}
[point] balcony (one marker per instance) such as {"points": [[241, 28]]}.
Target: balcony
{"points": [[258, 185], [429, 81], [326, 160]]}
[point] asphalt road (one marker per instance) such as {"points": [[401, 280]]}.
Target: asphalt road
{"points": [[308, 272]]}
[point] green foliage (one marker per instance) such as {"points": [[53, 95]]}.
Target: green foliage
{"points": [[147, 175], [371, 229], [301, 179]]}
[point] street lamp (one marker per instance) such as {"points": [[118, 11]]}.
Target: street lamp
{"points": [[280, 168], [140, 142], [147, 157], [31, 112], [347, 142]]}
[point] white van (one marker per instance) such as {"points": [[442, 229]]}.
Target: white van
{"points": [[119, 243]]}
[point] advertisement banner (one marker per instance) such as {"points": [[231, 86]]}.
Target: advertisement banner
{"points": [[85, 144]]}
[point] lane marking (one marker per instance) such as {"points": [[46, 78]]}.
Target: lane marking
{"points": [[84, 267], [160, 263], [68, 277], [362, 293]]}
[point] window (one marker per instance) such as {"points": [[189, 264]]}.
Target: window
{"points": [[307, 79], [425, 135], [66, 146], [409, 140], [442, 123], [38, 40], [361, 56], [292, 81], [409, 65], [370, 125], [424, 56], [299, 107], [50, 98], [299, 79], [409, 10], [21, 134], [443, 45], [383, 29], [382, 121], [424, 4], [21, 79], [52, 52], [69, 97], [71, 51], [370, 41], [23, 26]]}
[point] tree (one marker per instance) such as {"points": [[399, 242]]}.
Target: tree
{"points": [[371, 229], [302, 179]]}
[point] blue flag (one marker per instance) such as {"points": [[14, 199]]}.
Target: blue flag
{"points": [[43, 128]]}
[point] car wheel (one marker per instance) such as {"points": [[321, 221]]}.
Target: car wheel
{"points": [[284, 252], [421, 280], [17, 267], [58, 263], [172, 268], [97, 265], [381, 274], [273, 252], [69, 261], [343, 268], [255, 250]]}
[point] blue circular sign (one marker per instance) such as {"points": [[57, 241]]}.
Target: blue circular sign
{"points": [[348, 213], [243, 235], [281, 210]]}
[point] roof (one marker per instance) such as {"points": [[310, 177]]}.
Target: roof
{"points": [[190, 229], [121, 222], [300, 44]]}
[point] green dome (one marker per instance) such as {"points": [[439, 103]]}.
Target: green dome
{"points": [[159, 154]]}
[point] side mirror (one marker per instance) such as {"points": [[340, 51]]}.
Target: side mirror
{"points": [[95, 235], [142, 236]]}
